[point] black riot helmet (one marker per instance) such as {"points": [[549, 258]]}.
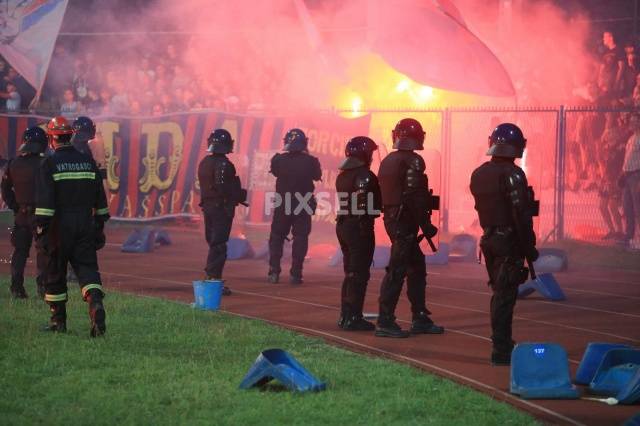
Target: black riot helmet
{"points": [[359, 152], [220, 142], [507, 140], [295, 141], [34, 141], [84, 127], [408, 135]]}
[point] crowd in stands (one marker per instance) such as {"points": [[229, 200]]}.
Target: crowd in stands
{"points": [[135, 83], [597, 138]]}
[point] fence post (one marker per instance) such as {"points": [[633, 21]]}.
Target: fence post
{"points": [[445, 143], [558, 216]]}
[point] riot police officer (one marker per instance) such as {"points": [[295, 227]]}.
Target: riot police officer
{"points": [[295, 171], [505, 205], [220, 193], [71, 209], [407, 209], [84, 140], [360, 203], [19, 193]]}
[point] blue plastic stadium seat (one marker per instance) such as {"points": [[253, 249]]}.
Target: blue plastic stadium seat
{"points": [[282, 366], [546, 285], [551, 260], [591, 360], [630, 393], [633, 420], [140, 241], [616, 371], [239, 248], [464, 248], [541, 371], [162, 237]]}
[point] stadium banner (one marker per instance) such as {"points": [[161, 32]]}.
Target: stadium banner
{"points": [[152, 163], [28, 32]]}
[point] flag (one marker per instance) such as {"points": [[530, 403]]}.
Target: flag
{"points": [[28, 32], [428, 41]]}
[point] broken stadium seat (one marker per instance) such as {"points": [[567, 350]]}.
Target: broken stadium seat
{"points": [[591, 360], [280, 365], [615, 372], [541, 371]]}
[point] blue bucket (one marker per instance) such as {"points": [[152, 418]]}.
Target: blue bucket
{"points": [[207, 294]]}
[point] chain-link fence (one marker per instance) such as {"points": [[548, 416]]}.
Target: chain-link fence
{"points": [[573, 161]]}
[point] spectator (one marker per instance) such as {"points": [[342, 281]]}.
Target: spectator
{"points": [[119, 104], [135, 107], [629, 75], [22, 87], [13, 98], [145, 69], [611, 157], [69, 107], [180, 78], [610, 73], [80, 85], [157, 110], [93, 104], [630, 183]]}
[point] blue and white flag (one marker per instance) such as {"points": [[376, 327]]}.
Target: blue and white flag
{"points": [[28, 32]]}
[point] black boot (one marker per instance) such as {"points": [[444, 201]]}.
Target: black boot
{"points": [[296, 278], [356, 323], [273, 277], [388, 327], [18, 292], [422, 324], [58, 320], [96, 312]]}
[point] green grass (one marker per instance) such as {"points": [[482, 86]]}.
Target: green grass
{"points": [[166, 363]]}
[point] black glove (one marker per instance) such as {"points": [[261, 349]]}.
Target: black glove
{"points": [[429, 230], [100, 237], [532, 254], [42, 237]]}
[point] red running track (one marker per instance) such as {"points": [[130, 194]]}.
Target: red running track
{"points": [[602, 305]]}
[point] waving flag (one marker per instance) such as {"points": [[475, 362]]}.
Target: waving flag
{"points": [[28, 32], [429, 41]]}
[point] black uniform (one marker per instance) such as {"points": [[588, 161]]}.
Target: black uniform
{"points": [[220, 193], [295, 173], [355, 231], [19, 193], [406, 207], [505, 206], [71, 209]]}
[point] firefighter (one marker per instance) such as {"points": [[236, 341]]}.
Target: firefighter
{"points": [[220, 193], [407, 206], [71, 210], [506, 206], [360, 204], [295, 171], [19, 193]]}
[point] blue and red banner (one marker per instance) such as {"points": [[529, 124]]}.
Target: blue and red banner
{"points": [[152, 163]]}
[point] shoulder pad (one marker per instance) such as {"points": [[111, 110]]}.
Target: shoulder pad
{"points": [[516, 178], [363, 179], [416, 163]]}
